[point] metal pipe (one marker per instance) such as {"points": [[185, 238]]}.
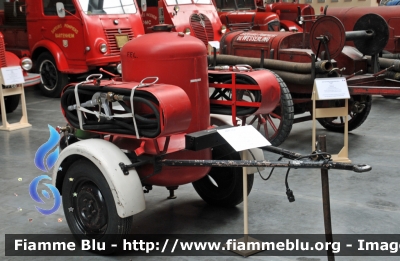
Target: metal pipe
{"points": [[355, 35], [391, 55], [384, 63], [295, 164], [306, 68], [393, 75], [301, 79], [326, 201]]}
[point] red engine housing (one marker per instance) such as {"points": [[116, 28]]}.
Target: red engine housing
{"points": [[179, 60], [250, 43]]}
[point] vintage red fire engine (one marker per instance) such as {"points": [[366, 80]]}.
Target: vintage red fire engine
{"points": [[240, 14], [192, 17], [70, 38]]}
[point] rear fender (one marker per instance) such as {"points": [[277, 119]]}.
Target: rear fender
{"points": [[127, 190]]}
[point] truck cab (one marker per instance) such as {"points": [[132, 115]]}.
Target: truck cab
{"points": [[241, 14], [192, 17], [67, 38], [290, 13]]}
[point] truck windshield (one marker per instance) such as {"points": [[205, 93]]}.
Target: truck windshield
{"points": [[99, 7], [187, 2], [226, 5], [245, 4]]}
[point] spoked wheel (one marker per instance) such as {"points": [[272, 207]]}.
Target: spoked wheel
{"points": [[276, 125], [11, 103], [89, 206], [360, 106], [223, 186], [53, 81]]}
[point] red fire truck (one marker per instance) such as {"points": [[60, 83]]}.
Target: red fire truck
{"points": [[66, 38], [241, 14], [271, 17], [192, 17], [8, 59]]}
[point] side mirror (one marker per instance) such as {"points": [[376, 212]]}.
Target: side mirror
{"points": [[60, 10], [143, 5]]}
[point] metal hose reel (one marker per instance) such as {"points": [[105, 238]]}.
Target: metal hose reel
{"points": [[370, 35]]}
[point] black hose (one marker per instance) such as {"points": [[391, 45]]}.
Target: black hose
{"points": [[148, 124]]}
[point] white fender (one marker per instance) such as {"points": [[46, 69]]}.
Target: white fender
{"points": [[127, 190], [219, 120]]}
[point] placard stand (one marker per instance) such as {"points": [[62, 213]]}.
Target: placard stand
{"points": [[341, 92], [17, 79], [246, 238], [250, 138]]}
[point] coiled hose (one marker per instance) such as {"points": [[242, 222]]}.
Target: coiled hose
{"points": [[148, 124]]}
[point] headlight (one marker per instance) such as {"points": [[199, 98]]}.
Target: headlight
{"points": [[119, 68], [26, 63], [186, 31], [223, 29], [103, 48]]}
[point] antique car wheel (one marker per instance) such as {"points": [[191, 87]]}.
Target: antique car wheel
{"points": [[89, 206], [361, 107], [223, 186], [53, 81], [11, 103]]}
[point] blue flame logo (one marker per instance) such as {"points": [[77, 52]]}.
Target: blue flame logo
{"points": [[35, 196], [45, 164], [45, 149]]}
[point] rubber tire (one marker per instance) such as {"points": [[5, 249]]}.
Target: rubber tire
{"points": [[53, 81], [286, 112], [11, 103], [232, 178], [85, 173], [354, 122]]}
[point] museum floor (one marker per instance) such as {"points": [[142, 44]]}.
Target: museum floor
{"points": [[366, 203]]}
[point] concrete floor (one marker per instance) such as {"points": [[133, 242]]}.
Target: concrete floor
{"points": [[365, 203]]}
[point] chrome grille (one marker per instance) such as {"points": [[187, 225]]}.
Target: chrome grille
{"points": [[202, 28], [112, 42]]}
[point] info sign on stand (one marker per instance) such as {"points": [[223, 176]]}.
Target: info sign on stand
{"points": [[249, 138], [332, 89], [13, 78]]}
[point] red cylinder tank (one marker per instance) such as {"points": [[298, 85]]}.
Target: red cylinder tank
{"points": [[180, 60], [176, 59]]}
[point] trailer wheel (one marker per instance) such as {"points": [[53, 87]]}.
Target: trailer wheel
{"points": [[11, 103], [360, 107], [276, 125], [223, 186], [89, 206], [53, 81]]}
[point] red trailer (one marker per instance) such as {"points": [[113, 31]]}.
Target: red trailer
{"points": [[159, 135]]}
